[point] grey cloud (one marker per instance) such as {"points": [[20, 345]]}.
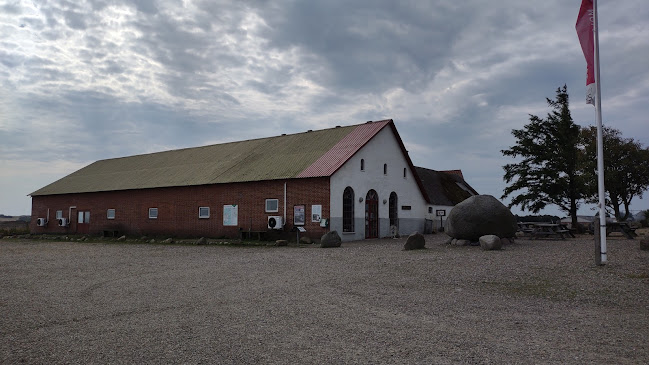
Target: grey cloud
{"points": [[11, 8], [75, 20], [366, 46]]}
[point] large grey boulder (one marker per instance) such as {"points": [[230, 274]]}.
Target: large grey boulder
{"points": [[415, 241], [480, 215], [330, 239]]}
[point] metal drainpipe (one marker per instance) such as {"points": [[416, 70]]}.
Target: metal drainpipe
{"points": [[284, 220]]}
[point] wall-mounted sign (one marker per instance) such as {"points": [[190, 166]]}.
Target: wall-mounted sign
{"points": [[440, 212], [316, 213], [299, 215], [230, 215]]}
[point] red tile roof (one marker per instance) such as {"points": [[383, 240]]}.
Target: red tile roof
{"points": [[332, 160]]}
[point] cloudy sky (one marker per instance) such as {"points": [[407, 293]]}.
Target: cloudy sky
{"points": [[87, 80]]}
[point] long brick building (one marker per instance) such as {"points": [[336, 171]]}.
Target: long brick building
{"points": [[357, 180]]}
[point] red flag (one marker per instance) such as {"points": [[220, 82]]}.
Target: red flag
{"points": [[584, 28]]}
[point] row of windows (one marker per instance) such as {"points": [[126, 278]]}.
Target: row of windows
{"points": [[385, 168], [272, 205]]}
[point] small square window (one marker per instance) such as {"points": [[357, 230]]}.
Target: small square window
{"points": [[430, 209], [59, 214], [110, 214], [272, 205], [153, 213], [203, 212]]}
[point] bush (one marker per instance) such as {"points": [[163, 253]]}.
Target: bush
{"points": [[645, 221]]}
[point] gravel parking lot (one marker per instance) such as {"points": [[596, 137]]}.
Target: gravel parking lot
{"points": [[365, 302]]}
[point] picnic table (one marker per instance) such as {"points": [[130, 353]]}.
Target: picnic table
{"points": [[550, 230], [622, 227], [526, 228]]}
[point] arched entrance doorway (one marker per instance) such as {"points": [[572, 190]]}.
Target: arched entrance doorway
{"points": [[372, 215], [394, 212]]}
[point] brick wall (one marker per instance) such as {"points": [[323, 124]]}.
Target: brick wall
{"points": [[178, 208]]}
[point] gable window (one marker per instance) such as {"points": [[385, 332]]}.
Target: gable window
{"points": [[385, 169], [153, 213], [430, 209], [59, 214], [272, 205], [348, 210], [203, 212], [362, 164], [110, 214]]}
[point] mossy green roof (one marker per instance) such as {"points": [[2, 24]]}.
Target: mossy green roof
{"points": [[272, 158]]}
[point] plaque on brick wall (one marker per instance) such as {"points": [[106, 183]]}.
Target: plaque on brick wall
{"points": [[299, 215]]}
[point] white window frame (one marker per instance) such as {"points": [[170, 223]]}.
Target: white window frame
{"points": [[151, 215], [108, 213], [59, 214], [276, 206], [201, 215]]}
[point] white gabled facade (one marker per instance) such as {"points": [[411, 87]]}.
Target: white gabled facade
{"points": [[382, 151]]}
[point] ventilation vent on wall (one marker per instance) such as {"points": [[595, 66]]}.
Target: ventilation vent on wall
{"points": [[275, 222]]}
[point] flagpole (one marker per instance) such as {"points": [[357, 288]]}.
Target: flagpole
{"points": [[600, 142]]}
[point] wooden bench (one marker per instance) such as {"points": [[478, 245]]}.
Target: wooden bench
{"points": [[250, 234]]}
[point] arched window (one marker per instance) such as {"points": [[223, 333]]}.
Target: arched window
{"points": [[385, 169], [348, 209], [362, 164], [394, 217]]}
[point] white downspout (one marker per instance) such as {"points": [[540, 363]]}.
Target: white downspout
{"points": [[47, 220]]}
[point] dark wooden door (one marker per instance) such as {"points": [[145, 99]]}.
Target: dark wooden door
{"points": [[83, 221], [372, 215]]}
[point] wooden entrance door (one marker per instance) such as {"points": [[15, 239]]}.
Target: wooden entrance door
{"points": [[372, 215], [83, 221]]}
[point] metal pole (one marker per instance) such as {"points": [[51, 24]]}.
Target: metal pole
{"points": [[600, 142]]}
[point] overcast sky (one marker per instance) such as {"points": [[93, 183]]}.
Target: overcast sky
{"points": [[87, 80]]}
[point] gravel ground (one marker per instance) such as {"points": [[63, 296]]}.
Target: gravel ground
{"points": [[365, 302]]}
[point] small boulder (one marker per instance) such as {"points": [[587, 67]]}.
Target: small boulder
{"points": [[168, 241], [281, 243], [152, 240], [201, 241], [449, 241], [330, 239], [644, 244], [415, 241], [490, 242], [121, 239], [461, 242], [306, 240]]}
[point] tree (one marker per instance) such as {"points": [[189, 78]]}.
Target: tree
{"points": [[626, 169], [549, 173]]}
